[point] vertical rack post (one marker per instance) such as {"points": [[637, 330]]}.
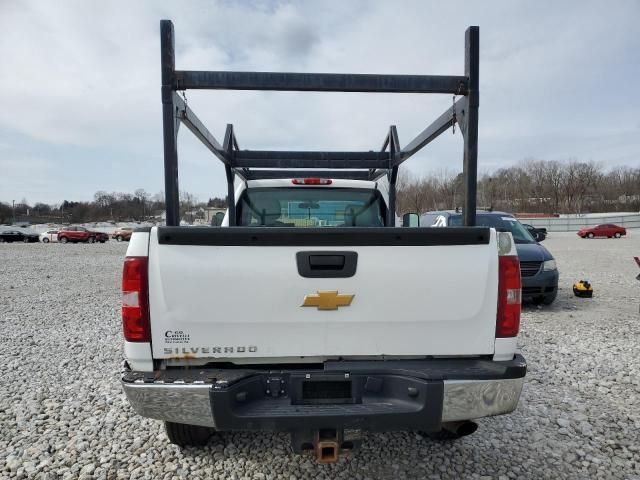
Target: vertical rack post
{"points": [[228, 146], [169, 124], [471, 71], [394, 147]]}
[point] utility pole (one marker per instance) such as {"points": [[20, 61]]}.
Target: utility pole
{"points": [[13, 203]]}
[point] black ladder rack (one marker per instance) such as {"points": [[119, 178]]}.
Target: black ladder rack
{"points": [[371, 165]]}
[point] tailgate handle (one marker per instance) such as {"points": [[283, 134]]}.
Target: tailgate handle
{"points": [[331, 264]]}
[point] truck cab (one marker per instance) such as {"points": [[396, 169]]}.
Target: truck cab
{"points": [[310, 203]]}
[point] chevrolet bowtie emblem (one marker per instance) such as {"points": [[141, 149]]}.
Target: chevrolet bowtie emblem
{"points": [[327, 300]]}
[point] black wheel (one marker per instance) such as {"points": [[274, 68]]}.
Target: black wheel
{"points": [[188, 435], [45, 240], [119, 238], [549, 299], [617, 235], [101, 241], [590, 235], [545, 299], [64, 240], [92, 240], [26, 240]]}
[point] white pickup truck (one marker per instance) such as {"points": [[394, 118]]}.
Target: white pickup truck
{"points": [[311, 316], [308, 311]]}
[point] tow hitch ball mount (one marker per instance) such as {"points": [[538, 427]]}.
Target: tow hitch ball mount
{"points": [[326, 444]]}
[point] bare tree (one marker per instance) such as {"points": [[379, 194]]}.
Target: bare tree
{"points": [[555, 178], [412, 194]]}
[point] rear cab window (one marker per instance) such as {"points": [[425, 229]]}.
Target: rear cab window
{"points": [[311, 207]]}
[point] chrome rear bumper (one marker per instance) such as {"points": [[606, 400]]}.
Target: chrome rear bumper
{"points": [[193, 400], [191, 404]]}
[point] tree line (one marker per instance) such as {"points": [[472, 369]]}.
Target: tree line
{"points": [[105, 206], [531, 186]]}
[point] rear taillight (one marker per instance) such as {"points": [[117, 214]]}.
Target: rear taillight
{"points": [[509, 297], [311, 181], [135, 300]]}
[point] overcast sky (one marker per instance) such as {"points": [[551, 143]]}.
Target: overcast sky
{"points": [[80, 106]]}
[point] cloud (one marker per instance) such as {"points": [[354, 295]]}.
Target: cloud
{"points": [[83, 88]]}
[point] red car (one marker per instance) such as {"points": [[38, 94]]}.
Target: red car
{"points": [[80, 234], [605, 230]]}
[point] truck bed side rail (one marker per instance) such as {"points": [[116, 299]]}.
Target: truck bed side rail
{"points": [[320, 237]]}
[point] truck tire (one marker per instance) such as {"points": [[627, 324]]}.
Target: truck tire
{"points": [[545, 299], [187, 435]]}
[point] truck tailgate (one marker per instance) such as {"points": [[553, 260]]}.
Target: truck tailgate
{"points": [[239, 292]]}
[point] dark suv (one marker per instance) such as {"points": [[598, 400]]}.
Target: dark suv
{"points": [[537, 266]]}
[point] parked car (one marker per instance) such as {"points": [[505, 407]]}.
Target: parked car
{"points": [[537, 266], [80, 234], [539, 233], [49, 236], [122, 233], [605, 230], [10, 236]]}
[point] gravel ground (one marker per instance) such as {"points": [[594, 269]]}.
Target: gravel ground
{"points": [[63, 414]]}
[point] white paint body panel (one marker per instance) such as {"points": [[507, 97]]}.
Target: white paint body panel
{"points": [[505, 348], [436, 300], [138, 245], [138, 354]]}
